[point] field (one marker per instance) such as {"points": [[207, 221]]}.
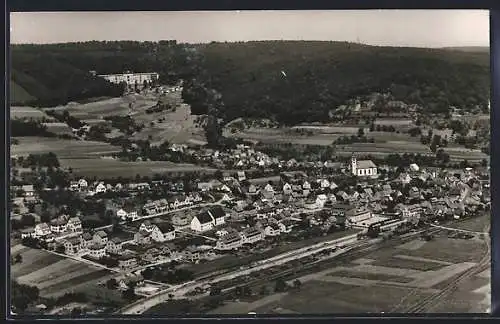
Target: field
{"points": [[110, 168], [178, 126], [58, 128], [476, 224], [54, 275], [461, 153], [387, 280], [28, 112], [325, 135], [61, 147]]}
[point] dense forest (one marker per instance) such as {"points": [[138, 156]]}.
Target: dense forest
{"points": [[288, 81]]}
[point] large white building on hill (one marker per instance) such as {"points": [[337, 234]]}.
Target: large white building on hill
{"points": [[363, 168], [131, 78]]}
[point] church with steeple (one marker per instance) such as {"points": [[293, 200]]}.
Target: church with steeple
{"points": [[363, 168]]}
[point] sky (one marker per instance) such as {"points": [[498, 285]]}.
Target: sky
{"points": [[415, 28]]}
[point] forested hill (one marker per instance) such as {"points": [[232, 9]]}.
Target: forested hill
{"points": [[301, 81], [54, 74], [291, 81]]}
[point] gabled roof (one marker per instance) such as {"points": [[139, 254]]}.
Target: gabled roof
{"points": [[101, 234], [165, 227], [204, 218], [217, 212]]}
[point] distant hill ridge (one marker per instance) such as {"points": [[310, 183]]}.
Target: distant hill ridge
{"points": [[288, 81]]}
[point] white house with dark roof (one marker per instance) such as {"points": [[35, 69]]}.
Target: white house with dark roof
{"points": [[209, 219], [202, 222], [163, 232], [363, 168]]}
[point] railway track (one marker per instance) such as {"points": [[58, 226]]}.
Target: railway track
{"points": [[429, 303], [319, 265]]}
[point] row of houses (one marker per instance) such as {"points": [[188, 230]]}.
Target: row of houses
{"points": [[62, 224]]}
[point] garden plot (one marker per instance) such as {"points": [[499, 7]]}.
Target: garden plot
{"points": [[74, 283]]}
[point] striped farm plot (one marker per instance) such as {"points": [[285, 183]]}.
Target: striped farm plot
{"points": [[33, 260], [77, 283], [61, 147], [17, 112], [53, 274]]}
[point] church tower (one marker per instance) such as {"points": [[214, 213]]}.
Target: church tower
{"points": [[354, 164]]}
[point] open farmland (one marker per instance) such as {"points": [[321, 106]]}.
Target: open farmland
{"points": [[475, 224], [28, 112], [54, 275], [326, 135], [386, 280], [61, 147], [462, 153], [110, 168], [103, 108], [58, 128], [178, 127]]}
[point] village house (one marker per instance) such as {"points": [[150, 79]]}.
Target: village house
{"points": [[251, 235], [191, 254], [147, 226], [115, 245], [241, 176], [163, 232], [74, 224], [59, 225], [321, 200], [130, 280], [100, 238], [86, 241], [412, 213], [310, 204], [127, 212], [324, 183], [180, 220], [204, 186], [230, 241], [142, 237], [414, 193], [28, 233], [100, 188], [29, 190], [97, 251], [287, 189], [272, 229], [72, 246], [83, 184], [127, 262]]}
